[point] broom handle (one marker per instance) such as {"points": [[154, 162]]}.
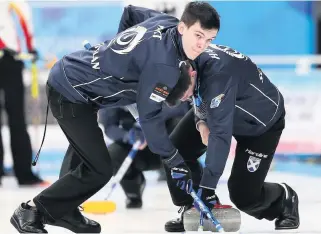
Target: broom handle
{"points": [[123, 169], [203, 208]]}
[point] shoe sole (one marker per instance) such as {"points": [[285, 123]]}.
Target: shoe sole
{"points": [[14, 222], [16, 226], [169, 228], [288, 228], [174, 230], [74, 228], [134, 207]]}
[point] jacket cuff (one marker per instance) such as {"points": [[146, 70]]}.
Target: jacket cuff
{"points": [[174, 160], [198, 123], [208, 180]]}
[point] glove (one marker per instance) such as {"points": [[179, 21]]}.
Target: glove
{"points": [[135, 134], [35, 54], [208, 196], [180, 173]]}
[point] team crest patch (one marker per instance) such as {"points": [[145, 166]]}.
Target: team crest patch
{"points": [[253, 164], [217, 101]]}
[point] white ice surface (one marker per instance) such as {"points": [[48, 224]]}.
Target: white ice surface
{"points": [[158, 208]]}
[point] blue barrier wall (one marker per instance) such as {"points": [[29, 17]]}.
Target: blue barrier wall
{"points": [[251, 27], [61, 29], [275, 27]]}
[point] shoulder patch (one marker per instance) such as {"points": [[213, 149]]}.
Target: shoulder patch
{"points": [[216, 101]]}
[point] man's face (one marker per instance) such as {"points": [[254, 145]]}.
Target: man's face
{"points": [[189, 92], [195, 39]]}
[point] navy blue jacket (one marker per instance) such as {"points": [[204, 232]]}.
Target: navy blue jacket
{"points": [[234, 97], [131, 68]]}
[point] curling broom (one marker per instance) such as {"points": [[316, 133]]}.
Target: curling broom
{"points": [[105, 206]]}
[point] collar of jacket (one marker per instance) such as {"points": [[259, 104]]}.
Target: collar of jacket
{"points": [[177, 40]]}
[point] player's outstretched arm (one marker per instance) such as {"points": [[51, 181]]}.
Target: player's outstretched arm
{"points": [[220, 105], [156, 83]]}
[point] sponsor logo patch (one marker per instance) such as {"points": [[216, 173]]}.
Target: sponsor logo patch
{"points": [[160, 92]]}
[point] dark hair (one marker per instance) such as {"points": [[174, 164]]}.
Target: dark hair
{"points": [[202, 12], [184, 81]]}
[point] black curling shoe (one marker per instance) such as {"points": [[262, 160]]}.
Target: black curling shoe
{"points": [[77, 223], [289, 219], [27, 219]]}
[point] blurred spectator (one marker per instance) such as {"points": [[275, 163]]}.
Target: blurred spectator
{"points": [[174, 8], [11, 84], [167, 7], [122, 128]]}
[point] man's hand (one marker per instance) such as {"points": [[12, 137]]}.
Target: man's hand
{"points": [[208, 196], [135, 134], [143, 145], [204, 131], [180, 173], [35, 54]]}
